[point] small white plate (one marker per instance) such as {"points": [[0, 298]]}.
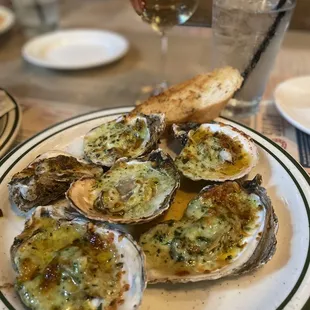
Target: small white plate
{"points": [[75, 49], [292, 99], [7, 19]]}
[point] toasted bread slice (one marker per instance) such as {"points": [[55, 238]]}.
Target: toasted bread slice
{"points": [[200, 99]]}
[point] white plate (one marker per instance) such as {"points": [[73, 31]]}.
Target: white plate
{"points": [[283, 283], [9, 126], [292, 99], [7, 19], [75, 49]]}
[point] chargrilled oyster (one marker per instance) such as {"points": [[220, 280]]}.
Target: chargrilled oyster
{"points": [[132, 191], [214, 152], [228, 229], [47, 178], [128, 136], [64, 262]]}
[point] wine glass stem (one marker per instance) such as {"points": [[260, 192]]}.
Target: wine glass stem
{"points": [[164, 49]]}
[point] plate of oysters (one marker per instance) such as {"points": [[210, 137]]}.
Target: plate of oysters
{"points": [[160, 206]]}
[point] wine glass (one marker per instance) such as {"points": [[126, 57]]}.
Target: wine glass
{"points": [[163, 15]]}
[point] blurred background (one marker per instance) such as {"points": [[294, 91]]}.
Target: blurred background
{"points": [[300, 18], [120, 83], [203, 14]]}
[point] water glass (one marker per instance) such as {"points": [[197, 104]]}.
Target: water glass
{"points": [[37, 16], [247, 35]]}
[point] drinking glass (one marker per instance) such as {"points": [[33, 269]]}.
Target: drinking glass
{"points": [[163, 15], [37, 16], [247, 35]]}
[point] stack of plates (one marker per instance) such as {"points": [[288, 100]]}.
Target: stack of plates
{"points": [[10, 120]]}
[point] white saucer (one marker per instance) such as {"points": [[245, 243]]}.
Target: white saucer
{"points": [[7, 19], [292, 99], [75, 49]]}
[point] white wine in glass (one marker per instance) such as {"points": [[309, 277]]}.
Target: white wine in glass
{"points": [[162, 15]]}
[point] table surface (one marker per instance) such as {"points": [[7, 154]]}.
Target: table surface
{"points": [[48, 96]]}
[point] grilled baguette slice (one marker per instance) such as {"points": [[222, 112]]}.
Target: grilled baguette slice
{"points": [[200, 99]]}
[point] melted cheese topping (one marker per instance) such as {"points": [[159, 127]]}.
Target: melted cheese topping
{"points": [[211, 155], [212, 233], [134, 189], [68, 266], [117, 139]]}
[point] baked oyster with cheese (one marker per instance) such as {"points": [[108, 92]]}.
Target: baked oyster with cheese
{"points": [[130, 136], [228, 229], [132, 191], [63, 262], [214, 152], [47, 178]]}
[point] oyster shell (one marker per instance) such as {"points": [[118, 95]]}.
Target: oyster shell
{"points": [[63, 262], [228, 229], [47, 178], [128, 136], [214, 152], [132, 191]]}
